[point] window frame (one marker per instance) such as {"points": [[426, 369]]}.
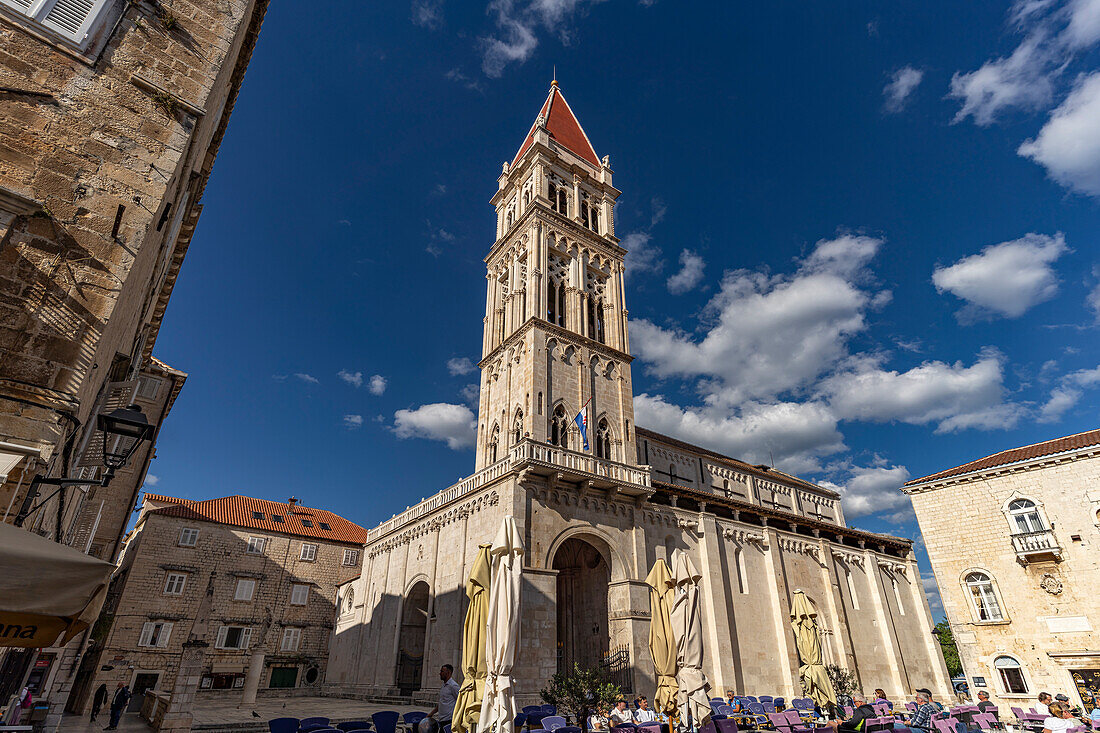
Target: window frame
{"points": [[257, 544], [37, 14], [1002, 677], [192, 532], [296, 635], [171, 576], [1028, 516], [351, 553], [244, 639], [249, 583], [971, 588], [294, 587], [162, 630], [312, 552]]}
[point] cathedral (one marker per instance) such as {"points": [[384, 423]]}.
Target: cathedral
{"points": [[597, 514]]}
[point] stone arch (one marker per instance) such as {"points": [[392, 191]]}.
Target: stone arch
{"points": [[599, 539], [411, 636], [582, 590]]}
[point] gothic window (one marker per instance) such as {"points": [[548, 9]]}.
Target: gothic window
{"points": [[517, 427], [1012, 675], [595, 225], [511, 218], [1024, 518], [526, 198], [592, 305], [584, 210], [540, 403], [590, 216], [559, 424], [983, 597], [553, 196], [563, 203], [494, 441], [603, 440], [597, 306]]}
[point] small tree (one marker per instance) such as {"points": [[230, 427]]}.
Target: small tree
{"points": [[579, 691], [844, 682], [947, 645]]}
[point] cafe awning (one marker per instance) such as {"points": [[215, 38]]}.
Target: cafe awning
{"points": [[46, 589]]}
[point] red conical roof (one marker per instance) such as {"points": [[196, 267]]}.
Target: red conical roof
{"points": [[562, 125]]}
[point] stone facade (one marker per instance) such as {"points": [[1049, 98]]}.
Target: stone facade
{"points": [[169, 575], [1014, 549], [111, 117], [594, 521]]}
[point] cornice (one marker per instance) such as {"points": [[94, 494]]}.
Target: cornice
{"points": [[434, 523], [1024, 466], [545, 215], [533, 321]]}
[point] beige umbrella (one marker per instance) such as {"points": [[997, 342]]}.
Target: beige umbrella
{"points": [[468, 706], [693, 695], [815, 680], [46, 589], [662, 640], [498, 707]]}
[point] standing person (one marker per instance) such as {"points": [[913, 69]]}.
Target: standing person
{"points": [[118, 704], [643, 714], [98, 700], [1060, 718], [1043, 705], [444, 710]]}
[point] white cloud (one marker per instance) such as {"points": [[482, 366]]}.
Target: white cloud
{"points": [[307, 378], [690, 274], [1068, 146], [377, 384], [355, 379], [1005, 279], [659, 211], [641, 256], [953, 395], [901, 85], [453, 424], [1068, 392], [932, 591], [1093, 302], [428, 13], [460, 365], [351, 422], [471, 394], [151, 480], [518, 24], [872, 489]]}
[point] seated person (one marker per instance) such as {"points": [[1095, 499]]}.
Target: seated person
{"points": [[880, 696], [985, 706], [598, 720], [643, 714], [921, 721], [857, 720], [620, 714]]}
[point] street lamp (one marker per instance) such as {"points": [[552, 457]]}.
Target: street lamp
{"points": [[123, 431]]}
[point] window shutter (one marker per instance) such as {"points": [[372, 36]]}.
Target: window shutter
{"points": [[165, 632], [220, 643], [146, 633], [22, 5], [73, 18], [246, 637]]}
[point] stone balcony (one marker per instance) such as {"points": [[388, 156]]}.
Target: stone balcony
{"points": [[540, 459], [1036, 546]]}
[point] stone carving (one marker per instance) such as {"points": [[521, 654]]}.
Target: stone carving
{"points": [[891, 566], [792, 544], [849, 558], [1050, 584], [435, 523], [745, 536]]}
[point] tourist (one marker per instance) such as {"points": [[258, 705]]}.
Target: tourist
{"points": [[928, 695], [985, 706], [598, 720], [1060, 718], [1043, 706], [880, 695], [730, 699], [861, 711], [1072, 708], [922, 718], [643, 714], [444, 709], [620, 714], [98, 700], [118, 704]]}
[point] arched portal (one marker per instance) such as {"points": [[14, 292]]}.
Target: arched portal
{"points": [[410, 647], [583, 579]]}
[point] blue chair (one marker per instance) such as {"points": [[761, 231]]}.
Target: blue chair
{"points": [[312, 724], [769, 706], [534, 718], [779, 703], [550, 709], [283, 725], [569, 729], [764, 698], [353, 725], [729, 725], [520, 720], [553, 722], [530, 708], [413, 719], [385, 721]]}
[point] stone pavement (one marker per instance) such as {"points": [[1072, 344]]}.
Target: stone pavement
{"points": [[219, 715]]}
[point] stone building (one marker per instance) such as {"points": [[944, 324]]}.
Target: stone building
{"points": [[272, 569], [596, 517], [111, 116], [1013, 539]]}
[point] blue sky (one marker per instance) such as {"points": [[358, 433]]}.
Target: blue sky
{"points": [[863, 237]]}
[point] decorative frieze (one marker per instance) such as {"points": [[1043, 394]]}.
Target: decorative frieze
{"points": [[745, 536], [800, 546], [849, 558], [891, 566], [435, 523]]}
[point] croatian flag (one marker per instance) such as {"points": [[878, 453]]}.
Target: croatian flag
{"points": [[582, 422]]}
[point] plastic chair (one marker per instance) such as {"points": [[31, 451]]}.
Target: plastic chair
{"points": [[943, 726], [779, 703], [530, 708], [283, 725], [550, 709], [534, 717], [726, 726], [385, 721], [553, 722], [353, 725], [769, 706], [313, 724], [569, 729], [412, 720]]}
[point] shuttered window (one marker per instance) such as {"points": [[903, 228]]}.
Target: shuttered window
{"points": [[73, 20], [292, 636], [155, 633]]}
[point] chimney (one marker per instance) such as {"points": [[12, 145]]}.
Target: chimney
{"points": [[293, 501]]}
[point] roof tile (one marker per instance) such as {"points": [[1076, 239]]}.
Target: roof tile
{"points": [[1015, 455], [563, 127]]}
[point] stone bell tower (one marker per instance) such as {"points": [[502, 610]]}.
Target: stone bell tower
{"points": [[555, 316]]}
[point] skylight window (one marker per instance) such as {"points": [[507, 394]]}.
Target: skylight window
{"points": [[307, 523], [257, 515], [324, 526], [277, 518]]}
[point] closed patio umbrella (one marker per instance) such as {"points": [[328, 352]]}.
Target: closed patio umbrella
{"points": [[693, 695], [498, 707], [468, 706], [815, 680], [662, 640], [46, 589]]}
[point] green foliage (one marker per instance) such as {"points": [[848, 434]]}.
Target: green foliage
{"points": [[579, 691], [844, 682], [947, 645]]}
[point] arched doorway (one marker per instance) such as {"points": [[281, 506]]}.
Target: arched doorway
{"points": [[583, 579], [410, 646]]}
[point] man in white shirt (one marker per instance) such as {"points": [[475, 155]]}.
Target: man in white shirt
{"points": [[444, 710], [1043, 706], [620, 714], [643, 714]]}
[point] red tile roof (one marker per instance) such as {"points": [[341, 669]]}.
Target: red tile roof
{"points": [[1015, 455], [238, 511], [563, 127]]}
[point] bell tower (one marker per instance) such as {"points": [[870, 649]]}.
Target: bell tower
{"points": [[555, 316]]}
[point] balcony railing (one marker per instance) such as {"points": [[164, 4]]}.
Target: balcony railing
{"points": [[527, 451], [1040, 543]]}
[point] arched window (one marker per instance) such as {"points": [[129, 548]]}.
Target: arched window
{"points": [[983, 597], [511, 216], [1012, 675], [494, 441], [349, 600], [563, 203], [552, 302], [595, 226], [526, 198], [561, 306], [559, 426], [517, 427], [584, 211], [1024, 517], [597, 306], [603, 440], [591, 315]]}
